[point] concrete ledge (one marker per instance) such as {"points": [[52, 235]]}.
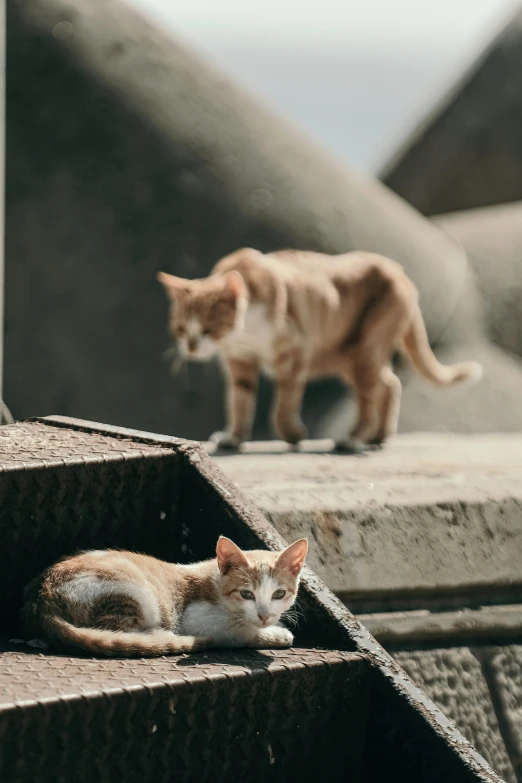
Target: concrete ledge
{"points": [[487, 622], [430, 513]]}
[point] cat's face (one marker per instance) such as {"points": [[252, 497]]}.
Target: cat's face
{"points": [[258, 586], [204, 312]]}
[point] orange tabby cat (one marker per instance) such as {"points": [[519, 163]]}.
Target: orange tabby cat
{"points": [[297, 316], [119, 603]]}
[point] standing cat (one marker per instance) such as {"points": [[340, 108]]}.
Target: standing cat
{"points": [[297, 316], [120, 603]]}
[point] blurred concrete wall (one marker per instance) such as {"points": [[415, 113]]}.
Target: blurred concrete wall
{"points": [[492, 238]]}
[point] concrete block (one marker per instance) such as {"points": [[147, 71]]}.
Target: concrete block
{"points": [[466, 151], [427, 513], [453, 679]]}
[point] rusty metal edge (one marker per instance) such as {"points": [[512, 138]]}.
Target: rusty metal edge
{"points": [[121, 433], [335, 612]]}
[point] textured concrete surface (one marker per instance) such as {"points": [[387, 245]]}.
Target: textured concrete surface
{"points": [[505, 676], [453, 679], [467, 151], [429, 511]]}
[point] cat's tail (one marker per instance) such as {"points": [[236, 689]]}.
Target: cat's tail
{"points": [[120, 643], [416, 346]]}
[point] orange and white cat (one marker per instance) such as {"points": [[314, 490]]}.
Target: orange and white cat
{"points": [[119, 603], [297, 316]]}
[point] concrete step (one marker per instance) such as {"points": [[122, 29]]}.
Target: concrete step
{"points": [[430, 514]]}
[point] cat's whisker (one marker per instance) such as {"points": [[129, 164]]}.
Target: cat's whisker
{"points": [[291, 617], [297, 607], [180, 363], [170, 353], [175, 358]]}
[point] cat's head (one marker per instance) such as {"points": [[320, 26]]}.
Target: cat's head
{"points": [[258, 586], [204, 312]]}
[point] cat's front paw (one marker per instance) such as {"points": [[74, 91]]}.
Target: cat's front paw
{"points": [[275, 636], [225, 440]]}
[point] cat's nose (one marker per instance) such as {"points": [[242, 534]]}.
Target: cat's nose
{"points": [[263, 616], [192, 344]]}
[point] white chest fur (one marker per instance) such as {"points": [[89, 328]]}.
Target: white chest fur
{"points": [[202, 618], [255, 339]]}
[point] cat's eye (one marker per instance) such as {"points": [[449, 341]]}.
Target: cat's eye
{"points": [[279, 594], [180, 331], [206, 332], [248, 595]]}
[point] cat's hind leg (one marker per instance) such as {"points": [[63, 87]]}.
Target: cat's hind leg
{"points": [[366, 364], [291, 372], [379, 397], [389, 407], [369, 401]]}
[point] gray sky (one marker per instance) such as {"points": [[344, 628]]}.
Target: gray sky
{"points": [[320, 20], [355, 74]]}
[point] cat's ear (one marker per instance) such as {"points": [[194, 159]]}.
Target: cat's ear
{"points": [[234, 285], [174, 286], [293, 557], [229, 555]]}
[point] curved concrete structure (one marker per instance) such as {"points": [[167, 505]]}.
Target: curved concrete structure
{"points": [[492, 238]]}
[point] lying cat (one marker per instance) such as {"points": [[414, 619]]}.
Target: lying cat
{"points": [[298, 316], [119, 603]]}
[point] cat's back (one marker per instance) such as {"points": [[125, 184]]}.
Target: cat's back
{"points": [[313, 287], [286, 265], [102, 564], [76, 582], [303, 267], [350, 266]]}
